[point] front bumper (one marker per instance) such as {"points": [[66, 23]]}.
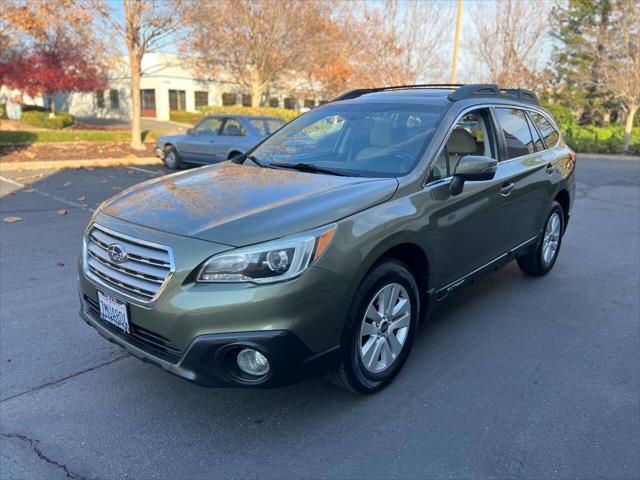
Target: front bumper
{"points": [[296, 324], [159, 152], [208, 358]]}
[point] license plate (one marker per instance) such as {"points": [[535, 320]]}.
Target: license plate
{"points": [[114, 311]]}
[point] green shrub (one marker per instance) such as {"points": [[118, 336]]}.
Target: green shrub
{"points": [[3, 110], [281, 113], [562, 115], [185, 117], [607, 139], [45, 120]]}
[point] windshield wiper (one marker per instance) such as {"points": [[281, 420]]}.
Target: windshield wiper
{"points": [[253, 158], [309, 167]]}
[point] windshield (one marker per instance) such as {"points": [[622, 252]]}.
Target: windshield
{"points": [[266, 126], [371, 140]]}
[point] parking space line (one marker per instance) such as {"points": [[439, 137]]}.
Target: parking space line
{"points": [[48, 195], [143, 170]]}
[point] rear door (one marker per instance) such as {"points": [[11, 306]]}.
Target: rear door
{"points": [[471, 229], [530, 167]]}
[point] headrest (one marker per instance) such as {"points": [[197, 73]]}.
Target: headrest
{"points": [[461, 142], [380, 135]]}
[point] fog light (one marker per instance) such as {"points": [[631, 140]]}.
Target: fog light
{"points": [[252, 362]]}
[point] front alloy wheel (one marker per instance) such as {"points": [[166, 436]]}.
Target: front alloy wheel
{"points": [[384, 328], [380, 328]]}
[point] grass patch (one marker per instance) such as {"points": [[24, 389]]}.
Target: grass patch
{"points": [[22, 137]]}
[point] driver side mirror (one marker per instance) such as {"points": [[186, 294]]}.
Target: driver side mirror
{"points": [[472, 168], [190, 131]]}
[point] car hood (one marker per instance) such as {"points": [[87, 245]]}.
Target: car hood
{"points": [[171, 138], [240, 205]]}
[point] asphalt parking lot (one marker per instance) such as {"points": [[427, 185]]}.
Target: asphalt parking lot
{"points": [[513, 378]]}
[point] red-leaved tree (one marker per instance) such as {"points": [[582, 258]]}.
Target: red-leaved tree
{"points": [[50, 67]]}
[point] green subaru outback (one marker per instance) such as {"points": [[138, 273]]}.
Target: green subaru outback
{"points": [[321, 250]]}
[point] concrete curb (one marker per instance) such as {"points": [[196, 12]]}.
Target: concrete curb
{"points": [[608, 156], [64, 164]]}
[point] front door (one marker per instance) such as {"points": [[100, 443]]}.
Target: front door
{"points": [[148, 101], [470, 229], [200, 145]]}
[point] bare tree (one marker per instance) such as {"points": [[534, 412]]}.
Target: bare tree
{"points": [[254, 44], [506, 42], [418, 29], [146, 26], [619, 62]]}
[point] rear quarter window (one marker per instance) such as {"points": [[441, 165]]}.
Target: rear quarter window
{"points": [[549, 133]]}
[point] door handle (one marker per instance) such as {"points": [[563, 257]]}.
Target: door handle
{"points": [[505, 191], [550, 168]]}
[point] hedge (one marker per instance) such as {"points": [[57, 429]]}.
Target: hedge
{"points": [[607, 139], [193, 118], [45, 120]]}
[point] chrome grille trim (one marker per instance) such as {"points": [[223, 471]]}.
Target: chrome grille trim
{"points": [[141, 278]]}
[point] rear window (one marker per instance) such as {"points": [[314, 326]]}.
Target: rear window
{"points": [[266, 126], [549, 133], [516, 132]]}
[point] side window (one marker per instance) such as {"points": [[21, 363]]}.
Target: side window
{"points": [[233, 128], [537, 141], [472, 135], [208, 125], [516, 132], [549, 133]]}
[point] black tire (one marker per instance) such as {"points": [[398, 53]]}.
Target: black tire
{"points": [[535, 263], [171, 158], [352, 374]]}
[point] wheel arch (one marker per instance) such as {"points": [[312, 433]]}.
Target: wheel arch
{"points": [[564, 199], [408, 251]]}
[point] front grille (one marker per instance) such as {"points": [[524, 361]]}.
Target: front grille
{"points": [[144, 273], [152, 342]]}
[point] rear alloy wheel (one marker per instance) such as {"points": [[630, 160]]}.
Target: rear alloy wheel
{"points": [[171, 158], [544, 257], [381, 326]]}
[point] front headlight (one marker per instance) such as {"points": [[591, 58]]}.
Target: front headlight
{"points": [[268, 262]]}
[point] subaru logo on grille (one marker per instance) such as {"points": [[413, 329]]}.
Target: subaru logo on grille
{"points": [[117, 253]]}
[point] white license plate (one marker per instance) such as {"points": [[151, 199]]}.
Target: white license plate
{"points": [[113, 311]]}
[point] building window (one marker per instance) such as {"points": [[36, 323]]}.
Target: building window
{"points": [[113, 99], [290, 103], [202, 99], [246, 100], [322, 102], [274, 102], [309, 103], [177, 100], [228, 99], [99, 98]]}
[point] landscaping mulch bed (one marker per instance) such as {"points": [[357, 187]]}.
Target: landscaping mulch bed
{"points": [[71, 151]]}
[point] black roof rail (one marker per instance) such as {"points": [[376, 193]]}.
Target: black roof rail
{"points": [[361, 91], [461, 91], [521, 94]]}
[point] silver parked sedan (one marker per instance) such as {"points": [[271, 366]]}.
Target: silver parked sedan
{"points": [[215, 139]]}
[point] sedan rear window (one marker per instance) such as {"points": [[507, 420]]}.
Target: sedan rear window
{"points": [[266, 126], [374, 140]]}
